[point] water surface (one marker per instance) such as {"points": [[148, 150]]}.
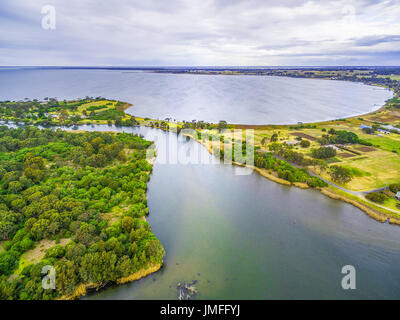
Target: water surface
{"points": [[236, 99], [240, 236], [245, 237]]}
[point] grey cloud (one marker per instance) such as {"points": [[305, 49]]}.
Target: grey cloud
{"points": [[184, 32], [374, 40]]}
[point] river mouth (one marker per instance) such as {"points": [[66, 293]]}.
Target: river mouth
{"points": [[242, 236], [245, 237], [238, 99]]}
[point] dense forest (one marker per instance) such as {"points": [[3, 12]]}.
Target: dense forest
{"points": [[88, 188]]}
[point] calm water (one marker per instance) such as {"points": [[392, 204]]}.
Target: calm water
{"points": [[244, 237], [236, 99], [240, 236]]}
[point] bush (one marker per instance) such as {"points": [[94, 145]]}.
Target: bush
{"points": [[323, 153], [305, 143], [57, 251], [8, 261], [286, 171], [395, 187], [376, 197], [340, 174]]}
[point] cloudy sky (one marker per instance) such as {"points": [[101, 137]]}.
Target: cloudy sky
{"points": [[200, 32]]}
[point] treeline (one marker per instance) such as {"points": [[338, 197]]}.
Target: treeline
{"points": [[86, 187], [36, 110], [52, 112], [341, 137], [284, 170], [372, 78], [240, 150], [197, 125], [338, 174]]}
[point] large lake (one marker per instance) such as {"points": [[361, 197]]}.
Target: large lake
{"points": [[236, 99]]}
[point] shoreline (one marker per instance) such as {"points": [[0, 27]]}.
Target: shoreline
{"points": [[375, 214], [82, 289], [259, 126]]}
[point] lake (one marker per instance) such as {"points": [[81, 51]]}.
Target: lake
{"points": [[236, 99]]}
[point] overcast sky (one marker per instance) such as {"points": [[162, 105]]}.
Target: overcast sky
{"points": [[201, 32]]}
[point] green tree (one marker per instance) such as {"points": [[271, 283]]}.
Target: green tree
{"points": [[305, 143], [274, 137], [323, 153], [127, 224], [340, 174], [378, 197]]}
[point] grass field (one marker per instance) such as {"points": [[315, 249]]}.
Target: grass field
{"points": [[392, 76], [391, 203], [372, 167], [378, 169], [389, 143], [105, 104]]}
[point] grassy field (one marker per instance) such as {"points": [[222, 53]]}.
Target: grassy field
{"points": [[36, 254], [98, 106], [391, 203], [392, 76], [372, 167], [363, 201], [375, 170], [389, 143]]}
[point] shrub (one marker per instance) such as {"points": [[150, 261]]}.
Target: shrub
{"points": [[305, 143], [323, 153], [340, 174], [376, 197], [395, 187]]}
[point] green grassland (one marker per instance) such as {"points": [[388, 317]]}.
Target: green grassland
{"points": [[373, 164]]}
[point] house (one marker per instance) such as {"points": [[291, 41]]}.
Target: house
{"points": [[397, 196], [390, 127], [292, 143], [384, 131], [333, 146]]}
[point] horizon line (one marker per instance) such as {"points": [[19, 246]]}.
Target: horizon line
{"points": [[198, 66]]}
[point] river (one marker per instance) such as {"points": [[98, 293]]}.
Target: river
{"points": [[245, 237], [240, 236]]}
